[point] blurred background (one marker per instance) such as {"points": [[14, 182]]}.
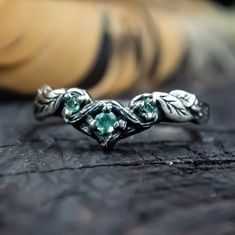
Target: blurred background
{"points": [[116, 47]]}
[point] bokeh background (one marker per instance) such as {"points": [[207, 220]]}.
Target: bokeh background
{"points": [[169, 180], [116, 47]]}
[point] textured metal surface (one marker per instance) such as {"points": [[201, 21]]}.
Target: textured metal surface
{"points": [[176, 106]]}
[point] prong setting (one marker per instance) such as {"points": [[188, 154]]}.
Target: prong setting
{"points": [[92, 123], [146, 108], [107, 107], [67, 113], [122, 124]]}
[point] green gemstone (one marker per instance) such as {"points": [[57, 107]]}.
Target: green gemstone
{"points": [[148, 108], [105, 122], [72, 103]]}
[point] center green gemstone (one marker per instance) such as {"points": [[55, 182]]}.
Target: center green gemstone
{"points": [[72, 103], [105, 122]]}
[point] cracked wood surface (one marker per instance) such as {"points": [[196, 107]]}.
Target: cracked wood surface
{"points": [[170, 180]]}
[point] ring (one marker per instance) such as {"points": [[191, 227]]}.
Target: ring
{"points": [[108, 121]]}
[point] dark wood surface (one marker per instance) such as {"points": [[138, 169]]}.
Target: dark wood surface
{"points": [[170, 180]]}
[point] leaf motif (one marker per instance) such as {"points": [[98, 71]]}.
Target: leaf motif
{"points": [[186, 98], [48, 101], [173, 108]]}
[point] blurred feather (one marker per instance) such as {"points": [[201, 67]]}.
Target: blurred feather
{"points": [[211, 45], [114, 46]]}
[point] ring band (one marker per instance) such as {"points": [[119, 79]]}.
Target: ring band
{"points": [[108, 121]]}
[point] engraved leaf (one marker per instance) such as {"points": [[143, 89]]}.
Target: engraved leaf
{"points": [[173, 108], [186, 98], [48, 101]]}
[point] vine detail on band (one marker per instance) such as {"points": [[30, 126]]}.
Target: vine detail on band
{"points": [[108, 121]]}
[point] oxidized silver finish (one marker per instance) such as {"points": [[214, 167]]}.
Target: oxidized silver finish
{"points": [[108, 121]]}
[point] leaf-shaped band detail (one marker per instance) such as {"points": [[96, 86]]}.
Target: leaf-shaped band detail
{"points": [[108, 121]]}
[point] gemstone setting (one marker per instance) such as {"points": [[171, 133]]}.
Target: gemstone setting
{"points": [[105, 122], [147, 109], [72, 103]]}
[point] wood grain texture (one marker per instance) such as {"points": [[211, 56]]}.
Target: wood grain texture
{"points": [[169, 180]]}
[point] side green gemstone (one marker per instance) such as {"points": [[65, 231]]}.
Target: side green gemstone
{"points": [[105, 122], [72, 103], [148, 109]]}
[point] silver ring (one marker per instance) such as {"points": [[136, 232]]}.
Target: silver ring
{"points": [[108, 121]]}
